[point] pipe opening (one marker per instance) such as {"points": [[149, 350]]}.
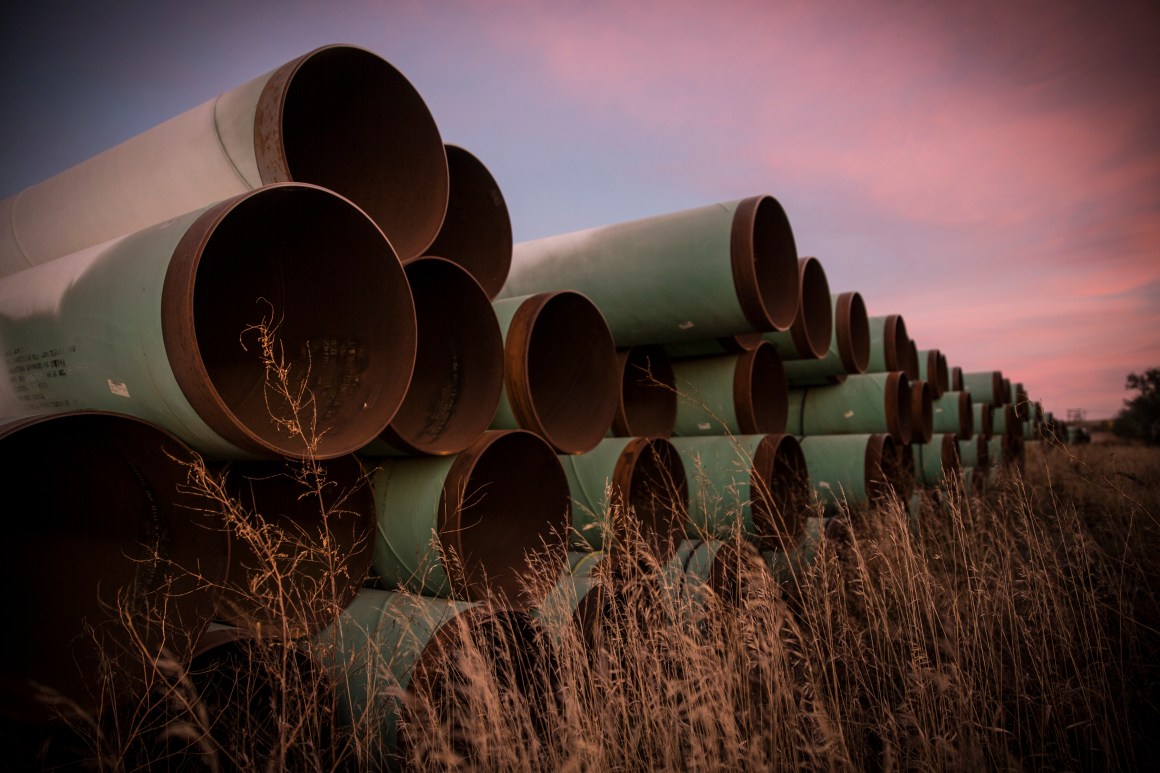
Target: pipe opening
{"points": [[912, 361], [898, 407], [648, 397], [966, 416], [505, 497], [291, 570], [477, 232], [949, 456], [813, 327], [330, 292], [108, 524], [852, 326], [572, 380], [780, 490], [652, 474], [354, 124], [761, 392], [458, 374], [896, 343], [764, 259], [922, 412]]}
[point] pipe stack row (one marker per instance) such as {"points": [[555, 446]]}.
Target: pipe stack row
{"points": [[293, 361]]}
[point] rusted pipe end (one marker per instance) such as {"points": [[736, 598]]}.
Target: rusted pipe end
{"points": [[884, 469], [1021, 406], [957, 379], [301, 545], [345, 119], [764, 259], [853, 332], [895, 343], [987, 430], [1005, 392], [504, 497], [458, 373], [997, 389], [309, 269], [648, 396], [966, 416], [760, 392], [813, 326], [921, 412], [649, 478], [560, 370], [943, 376], [936, 378], [1012, 426], [779, 486], [477, 232], [735, 565], [949, 456], [898, 406], [912, 361], [983, 452], [515, 652], [107, 526]]}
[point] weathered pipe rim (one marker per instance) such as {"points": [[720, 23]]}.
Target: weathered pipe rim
{"points": [[536, 530], [936, 377], [406, 113], [813, 326], [897, 400], [450, 288], [587, 423], [852, 328], [950, 458], [912, 361], [774, 452], [895, 343], [957, 379], [764, 257], [655, 413], [382, 386], [477, 230], [922, 412], [966, 416], [987, 431], [631, 466], [760, 391], [879, 460]]}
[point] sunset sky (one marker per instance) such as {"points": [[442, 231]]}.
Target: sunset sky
{"points": [[990, 170]]}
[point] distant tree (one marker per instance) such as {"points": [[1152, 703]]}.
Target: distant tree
{"points": [[1140, 417]]}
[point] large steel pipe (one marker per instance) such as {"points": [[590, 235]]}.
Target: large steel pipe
{"points": [[339, 117], [855, 470], [932, 368], [111, 560], [863, 404], [702, 273], [385, 642], [954, 412], [849, 351], [889, 344], [726, 567], [755, 483], [458, 375], [168, 324], [937, 460], [808, 338], [921, 412], [301, 541], [1004, 422], [741, 394], [984, 427], [957, 380], [985, 386], [974, 452], [1018, 398], [465, 525], [628, 489], [648, 393], [477, 231], [560, 370]]}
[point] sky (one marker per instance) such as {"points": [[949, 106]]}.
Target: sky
{"points": [[989, 170]]}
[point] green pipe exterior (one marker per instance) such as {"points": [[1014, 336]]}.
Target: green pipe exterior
{"points": [[162, 325], [982, 418], [712, 347], [851, 470], [476, 233], [849, 351], [561, 376], [985, 386], [108, 526], [932, 368], [937, 460], [641, 479], [755, 484], [864, 404], [741, 394], [559, 607], [889, 344], [974, 452], [812, 330], [339, 117], [489, 507], [1003, 421], [954, 412], [702, 273]]}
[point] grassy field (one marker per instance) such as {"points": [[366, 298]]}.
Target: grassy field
{"points": [[1017, 630]]}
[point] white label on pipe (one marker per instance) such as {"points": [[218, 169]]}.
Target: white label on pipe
{"points": [[685, 325], [704, 425], [848, 414], [118, 389]]}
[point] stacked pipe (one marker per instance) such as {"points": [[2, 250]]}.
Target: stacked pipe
{"points": [[319, 334]]}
